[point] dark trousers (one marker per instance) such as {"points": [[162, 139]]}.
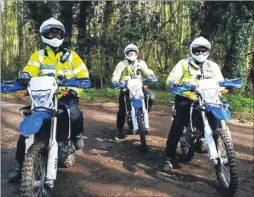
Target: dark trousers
{"points": [[181, 119], [149, 96], [76, 125]]}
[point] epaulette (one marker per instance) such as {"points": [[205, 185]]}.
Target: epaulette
{"points": [[65, 56]]}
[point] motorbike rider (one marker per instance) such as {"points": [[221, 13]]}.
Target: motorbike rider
{"points": [[61, 62], [124, 70], [188, 70]]}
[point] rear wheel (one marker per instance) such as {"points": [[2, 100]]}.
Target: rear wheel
{"points": [[142, 131], [34, 172], [226, 170]]}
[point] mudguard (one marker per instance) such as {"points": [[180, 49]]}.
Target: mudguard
{"points": [[33, 123], [137, 103], [219, 112]]}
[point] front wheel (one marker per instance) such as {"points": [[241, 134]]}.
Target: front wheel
{"points": [[226, 169], [34, 171], [142, 131], [187, 150]]}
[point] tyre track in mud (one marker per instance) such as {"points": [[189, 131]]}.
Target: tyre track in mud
{"points": [[108, 168]]}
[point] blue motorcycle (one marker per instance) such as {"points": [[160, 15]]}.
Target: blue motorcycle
{"points": [[136, 107], [208, 117], [47, 142]]}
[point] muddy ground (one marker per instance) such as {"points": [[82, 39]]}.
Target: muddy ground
{"points": [[108, 168]]}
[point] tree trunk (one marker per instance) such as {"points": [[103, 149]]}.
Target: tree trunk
{"points": [[82, 23], [66, 17]]}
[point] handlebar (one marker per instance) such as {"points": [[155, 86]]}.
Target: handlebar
{"points": [[124, 84], [184, 87], [77, 83], [13, 86], [232, 83]]}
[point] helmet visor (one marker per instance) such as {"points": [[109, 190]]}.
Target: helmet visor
{"points": [[132, 53], [53, 33], [200, 50]]}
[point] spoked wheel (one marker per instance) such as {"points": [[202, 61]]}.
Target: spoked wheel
{"points": [[34, 172], [142, 131], [187, 151], [226, 169]]}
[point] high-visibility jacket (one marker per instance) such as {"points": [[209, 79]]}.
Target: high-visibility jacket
{"points": [[185, 72], [46, 61], [124, 70]]}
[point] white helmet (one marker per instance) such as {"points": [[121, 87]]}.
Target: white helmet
{"points": [[200, 42], [51, 25], [131, 47]]}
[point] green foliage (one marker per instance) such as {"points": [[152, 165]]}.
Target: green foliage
{"points": [[100, 95], [239, 103], [110, 95], [163, 30], [241, 31]]}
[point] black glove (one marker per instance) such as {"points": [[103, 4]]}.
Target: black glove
{"points": [[24, 78], [115, 83], [174, 84], [150, 78], [72, 92]]}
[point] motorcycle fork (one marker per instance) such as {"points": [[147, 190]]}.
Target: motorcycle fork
{"points": [[145, 114], [30, 140], [212, 150], [134, 118], [53, 150], [225, 128]]}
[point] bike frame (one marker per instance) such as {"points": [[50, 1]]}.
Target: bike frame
{"points": [[212, 104], [134, 109], [43, 91]]}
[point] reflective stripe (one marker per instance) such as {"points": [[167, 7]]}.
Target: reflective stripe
{"points": [[32, 63], [77, 70], [64, 72], [41, 53], [47, 71], [70, 58]]}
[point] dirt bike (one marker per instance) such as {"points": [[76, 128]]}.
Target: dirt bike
{"points": [[208, 118], [136, 107], [48, 143]]}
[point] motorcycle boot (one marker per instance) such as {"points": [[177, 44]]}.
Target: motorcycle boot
{"points": [[78, 142], [120, 135], [120, 125], [171, 164]]}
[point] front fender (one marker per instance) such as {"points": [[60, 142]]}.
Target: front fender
{"points": [[219, 113], [137, 103], [33, 123]]}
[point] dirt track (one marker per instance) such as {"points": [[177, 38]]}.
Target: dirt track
{"points": [[108, 168]]}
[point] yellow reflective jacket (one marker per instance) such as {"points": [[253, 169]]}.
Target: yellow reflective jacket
{"points": [[185, 72], [46, 61], [124, 70]]}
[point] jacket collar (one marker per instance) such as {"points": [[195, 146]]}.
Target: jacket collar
{"points": [[51, 53]]}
